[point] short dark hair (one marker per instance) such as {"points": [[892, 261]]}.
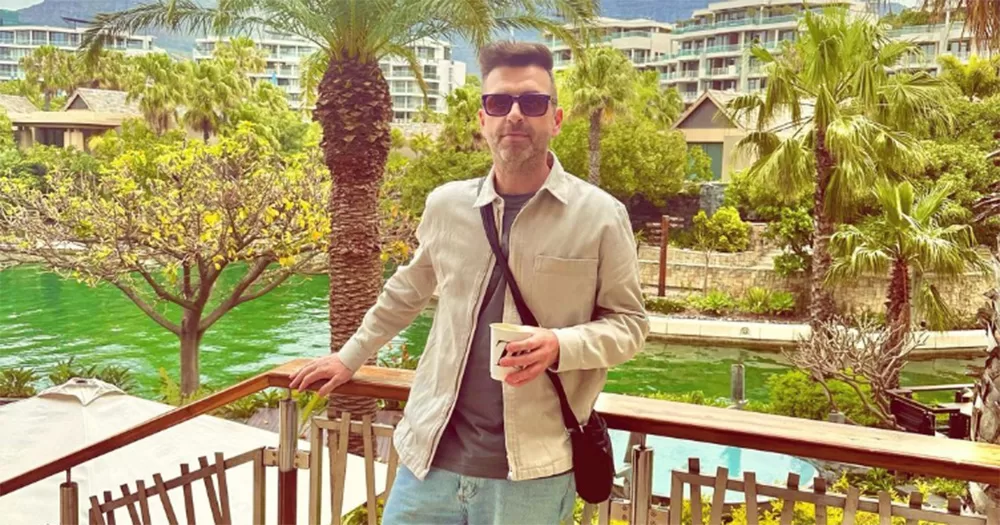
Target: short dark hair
{"points": [[515, 54]]}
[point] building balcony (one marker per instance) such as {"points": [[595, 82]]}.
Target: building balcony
{"points": [[742, 22], [731, 48], [725, 71], [916, 30]]}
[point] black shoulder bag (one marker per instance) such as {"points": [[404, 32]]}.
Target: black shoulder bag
{"points": [[593, 460]]}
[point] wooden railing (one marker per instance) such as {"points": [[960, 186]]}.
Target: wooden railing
{"points": [[910, 453]]}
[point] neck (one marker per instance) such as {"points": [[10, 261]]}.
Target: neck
{"points": [[519, 178]]}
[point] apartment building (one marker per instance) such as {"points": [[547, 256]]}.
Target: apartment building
{"points": [[947, 37], [643, 41], [284, 56], [708, 51], [18, 41]]}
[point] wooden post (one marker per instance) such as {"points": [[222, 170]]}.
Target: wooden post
{"points": [[69, 502], [661, 287], [288, 415]]}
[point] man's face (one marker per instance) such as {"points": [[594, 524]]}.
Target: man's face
{"points": [[524, 131]]}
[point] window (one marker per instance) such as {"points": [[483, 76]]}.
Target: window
{"points": [[39, 37], [401, 71], [447, 53], [430, 72], [134, 43], [6, 37], [22, 37]]}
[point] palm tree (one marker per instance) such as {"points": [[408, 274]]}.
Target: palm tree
{"points": [[353, 104], [50, 68], [601, 84], [976, 79], [158, 88], [210, 90], [906, 240], [833, 119], [662, 106], [241, 55], [982, 18]]}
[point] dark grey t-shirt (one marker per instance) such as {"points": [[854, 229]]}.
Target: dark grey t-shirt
{"points": [[473, 442]]}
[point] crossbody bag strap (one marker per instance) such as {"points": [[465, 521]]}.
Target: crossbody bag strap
{"points": [[527, 318]]}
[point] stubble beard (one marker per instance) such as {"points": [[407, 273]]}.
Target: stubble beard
{"points": [[513, 160]]}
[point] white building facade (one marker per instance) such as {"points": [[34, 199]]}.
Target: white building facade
{"points": [[285, 55], [642, 40], [709, 51], [18, 41]]}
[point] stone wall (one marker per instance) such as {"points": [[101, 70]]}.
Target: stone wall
{"points": [[735, 273]]}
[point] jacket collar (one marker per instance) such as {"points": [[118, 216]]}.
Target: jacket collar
{"points": [[556, 184]]}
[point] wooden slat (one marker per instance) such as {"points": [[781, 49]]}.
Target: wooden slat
{"points": [[96, 517], [185, 479], [916, 502], [213, 501], [750, 491], [788, 504], [133, 513], [676, 498], [851, 506], [719, 496], [220, 473], [833, 500], [188, 495], [694, 467], [168, 506], [819, 487], [338, 467], [366, 439], [884, 508], [259, 487], [140, 491], [954, 505], [108, 498], [315, 473]]}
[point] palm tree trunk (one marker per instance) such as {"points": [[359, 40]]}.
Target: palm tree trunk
{"points": [[898, 310], [594, 142], [355, 109], [821, 306], [985, 426]]}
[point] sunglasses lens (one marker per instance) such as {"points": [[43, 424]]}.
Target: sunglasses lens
{"points": [[533, 105], [498, 105]]}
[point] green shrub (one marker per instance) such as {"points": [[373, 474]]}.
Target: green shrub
{"points": [[117, 375], [17, 382], [781, 303], [796, 394], [723, 232], [665, 305], [716, 302], [756, 300]]}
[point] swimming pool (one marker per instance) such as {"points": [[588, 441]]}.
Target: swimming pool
{"points": [[672, 454]]}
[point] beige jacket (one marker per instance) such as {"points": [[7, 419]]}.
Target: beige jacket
{"points": [[573, 255]]}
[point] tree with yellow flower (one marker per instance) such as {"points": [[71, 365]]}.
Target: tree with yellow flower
{"points": [[165, 235]]}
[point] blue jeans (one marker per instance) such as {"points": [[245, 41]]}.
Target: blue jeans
{"points": [[445, 498]]}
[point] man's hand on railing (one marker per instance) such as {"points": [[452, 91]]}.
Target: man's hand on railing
{"points": [[327, 367]]}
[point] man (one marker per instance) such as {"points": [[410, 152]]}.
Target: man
{"points": [[473, 449]]}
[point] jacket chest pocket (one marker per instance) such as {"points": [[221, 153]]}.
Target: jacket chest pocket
{"points": [[565, 288]]}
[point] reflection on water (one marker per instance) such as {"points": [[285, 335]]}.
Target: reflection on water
{"points": [[45, 318]]}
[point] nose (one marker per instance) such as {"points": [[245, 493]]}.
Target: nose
{"points": [[515, 114]]}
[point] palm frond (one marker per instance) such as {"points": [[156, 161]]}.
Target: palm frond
{"points": [[787, 163]]}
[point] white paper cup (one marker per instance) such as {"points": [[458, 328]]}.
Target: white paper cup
{"points": [[500, 335]]}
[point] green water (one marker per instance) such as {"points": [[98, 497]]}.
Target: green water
{"points": [[45, 318]]}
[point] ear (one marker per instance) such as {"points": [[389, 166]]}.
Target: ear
{"points": [[558, 116], [482, 119]]}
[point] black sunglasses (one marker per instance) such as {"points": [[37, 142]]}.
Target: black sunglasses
{"points": [[531, 104]]}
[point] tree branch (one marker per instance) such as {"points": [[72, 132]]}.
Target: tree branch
{"points": [[145, 307], [237, 292], [160, 291]]}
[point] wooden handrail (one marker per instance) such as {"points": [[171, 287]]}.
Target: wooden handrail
{"points": [[369, 382], [913, 453]]}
